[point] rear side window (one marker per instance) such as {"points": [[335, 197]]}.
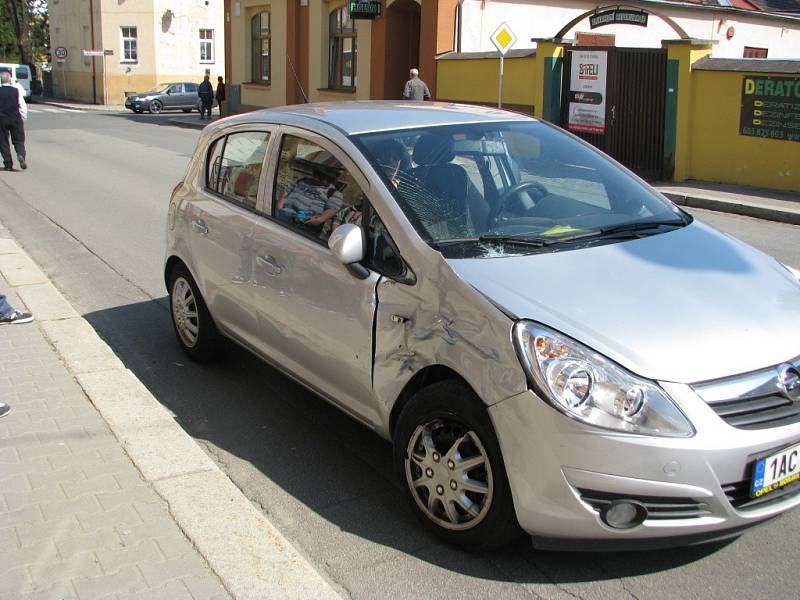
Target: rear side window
{"points": [[22, 73], [190, 88], [234, 166]]}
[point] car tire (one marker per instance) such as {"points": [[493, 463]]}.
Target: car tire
{"points": [[155, 107], [443, 426], [194, 327]]}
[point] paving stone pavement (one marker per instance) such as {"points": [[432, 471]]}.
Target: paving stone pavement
{"points": [[77, 521]]}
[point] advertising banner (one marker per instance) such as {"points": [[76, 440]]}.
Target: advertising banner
{"points": [[771, 108], [587, 92]]}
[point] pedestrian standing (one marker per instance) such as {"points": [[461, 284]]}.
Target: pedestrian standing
{"points": [[13, 112], [220, 95], [206, 93], [416, 89]]}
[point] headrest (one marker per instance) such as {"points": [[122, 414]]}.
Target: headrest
{"points": [[433, 149]]}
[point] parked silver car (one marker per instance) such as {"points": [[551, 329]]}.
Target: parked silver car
{"points": [[549, 343], [171, 96]]}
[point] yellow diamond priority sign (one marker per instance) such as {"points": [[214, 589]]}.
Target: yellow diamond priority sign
{"points": [[503, 38]]}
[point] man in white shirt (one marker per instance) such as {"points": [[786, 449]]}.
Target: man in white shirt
{"points": [[13, 113]]}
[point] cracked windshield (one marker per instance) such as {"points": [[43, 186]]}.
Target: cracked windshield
{"points": [[487, 190]]}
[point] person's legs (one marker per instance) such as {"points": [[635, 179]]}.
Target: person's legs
{"points": [[10, 315], [5, 308], [5, 148], [18, 139]]}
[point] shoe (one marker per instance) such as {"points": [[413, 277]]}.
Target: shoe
{"points": [[4, 409], [8, 168], [17, 318], [22, 164]]}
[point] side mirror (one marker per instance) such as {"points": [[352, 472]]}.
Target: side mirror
{"points": [[347, 245]]}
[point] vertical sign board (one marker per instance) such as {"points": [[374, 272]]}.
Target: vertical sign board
{"points": [[587, 92], [771, 108]]}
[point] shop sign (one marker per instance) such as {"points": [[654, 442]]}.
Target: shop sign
{"points": [[619, 16], [771, 108], [587, 92], [364, 10]]}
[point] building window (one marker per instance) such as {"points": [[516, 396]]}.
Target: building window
{"points": [[261, 48], [342, 60], [754, 52], [206, 45], [129, 50]]}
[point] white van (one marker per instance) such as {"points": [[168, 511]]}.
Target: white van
{"points": [[22, 75]]}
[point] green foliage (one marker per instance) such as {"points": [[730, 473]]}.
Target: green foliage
{"points": [[24, 31]]}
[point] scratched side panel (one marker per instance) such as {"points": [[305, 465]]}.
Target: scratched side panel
{"points": [[442, 320]]}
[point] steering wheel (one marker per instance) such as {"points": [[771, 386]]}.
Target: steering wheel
{"points": [[500, 205]]}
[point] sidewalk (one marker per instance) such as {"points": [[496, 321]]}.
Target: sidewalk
{"points": [[75, 105], [102, 494], [772, 205]]}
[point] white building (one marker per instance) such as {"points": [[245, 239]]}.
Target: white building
{"points": [[739, 32], [147, 42]]}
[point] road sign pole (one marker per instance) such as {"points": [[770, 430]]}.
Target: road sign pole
{"points": [[500, 91], [105, 81]]}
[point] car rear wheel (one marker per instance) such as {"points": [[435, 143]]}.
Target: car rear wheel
{"points": [[194, 327], [447, 455], [155, 107]]}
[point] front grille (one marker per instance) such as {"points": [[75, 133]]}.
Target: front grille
{"points": [[758, 413], [738, 495], [755, 400], [658, 508]]}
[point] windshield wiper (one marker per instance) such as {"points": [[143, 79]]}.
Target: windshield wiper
{"points": [[535, 242], [640, 225]]}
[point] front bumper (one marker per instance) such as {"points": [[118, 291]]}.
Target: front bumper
{"points": [[558, 468], [135, 104]]}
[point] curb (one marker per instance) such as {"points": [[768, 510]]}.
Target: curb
{"points": [[747, 209], [249, 555], [77, 105]]}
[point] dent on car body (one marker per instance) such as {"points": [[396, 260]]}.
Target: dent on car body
{"points": [[442, 321]]}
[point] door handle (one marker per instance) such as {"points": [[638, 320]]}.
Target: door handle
{"points": [[270, 265], [200, 226]]}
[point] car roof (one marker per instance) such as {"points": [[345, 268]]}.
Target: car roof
{"points": [[354, 117]]}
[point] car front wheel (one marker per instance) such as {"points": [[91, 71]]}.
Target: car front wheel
{"points": [[155, 107], [194, 327], [448, 457]]}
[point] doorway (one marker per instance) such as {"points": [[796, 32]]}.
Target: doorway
{"points": [[402, 45], [631, 126]]}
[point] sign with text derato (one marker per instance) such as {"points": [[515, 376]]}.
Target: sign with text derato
{"points": [[587, 92], [771, 108]]}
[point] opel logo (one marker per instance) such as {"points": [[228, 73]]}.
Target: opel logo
{"points": [[789, 382]]}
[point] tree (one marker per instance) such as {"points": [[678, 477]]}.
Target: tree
{"points": [[24, 30]]}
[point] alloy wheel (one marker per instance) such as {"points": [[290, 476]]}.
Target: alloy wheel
{"points": [[155, 107], [184, 312], [449, 474]]}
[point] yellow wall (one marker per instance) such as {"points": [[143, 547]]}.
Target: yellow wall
{"points": [[719, 153], [255, 94], [476, 80], [319, 14]]}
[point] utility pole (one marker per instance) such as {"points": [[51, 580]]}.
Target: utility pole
{"points": [[94, 67]]}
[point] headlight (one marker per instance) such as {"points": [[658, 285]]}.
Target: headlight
{"points": [[589, 387]]}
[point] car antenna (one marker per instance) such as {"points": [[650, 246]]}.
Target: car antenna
{"points": [[297, 80]]}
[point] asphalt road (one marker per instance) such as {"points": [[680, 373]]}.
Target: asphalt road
{"points": [[90, 210]]}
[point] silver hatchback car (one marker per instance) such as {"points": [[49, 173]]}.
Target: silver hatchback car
{"points": [[551, 345]]}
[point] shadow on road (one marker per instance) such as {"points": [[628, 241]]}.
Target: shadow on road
{"points": [[288, 450], [165, 118]]}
